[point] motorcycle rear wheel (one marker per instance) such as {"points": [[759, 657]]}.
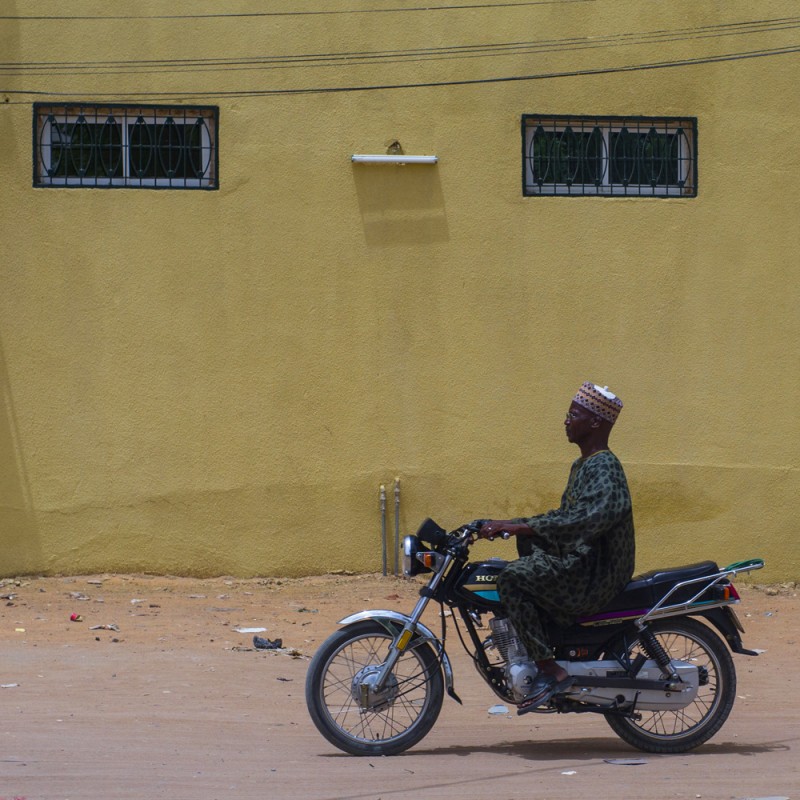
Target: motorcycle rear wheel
{"points": [[386, 722], [682, 730]]}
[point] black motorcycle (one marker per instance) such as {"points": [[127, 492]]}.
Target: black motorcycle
{"points": [[651, 662]]}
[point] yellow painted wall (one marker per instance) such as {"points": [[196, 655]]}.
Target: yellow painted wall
{"points": [[219, 382]]}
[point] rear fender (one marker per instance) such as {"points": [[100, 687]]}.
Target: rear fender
{"points": [[394, 622], [725, 621]]}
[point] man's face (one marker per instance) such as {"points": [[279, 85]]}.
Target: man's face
{"points": [[579, 423]]}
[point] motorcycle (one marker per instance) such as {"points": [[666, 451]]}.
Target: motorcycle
{"points": [[653, 663]]}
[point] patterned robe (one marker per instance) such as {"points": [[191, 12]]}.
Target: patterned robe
{"points": [[578, 557]]}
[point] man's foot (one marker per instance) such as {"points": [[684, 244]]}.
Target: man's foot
{"points": [[542, 690]]}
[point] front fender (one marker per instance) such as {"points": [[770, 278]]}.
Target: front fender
{"points": [[389, 619]]}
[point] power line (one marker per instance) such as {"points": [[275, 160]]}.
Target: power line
{"points": [[228, 15], [428, 85], [165, 66]]}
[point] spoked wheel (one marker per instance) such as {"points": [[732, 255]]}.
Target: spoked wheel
{"points": [[350, 710], [686, 728]]}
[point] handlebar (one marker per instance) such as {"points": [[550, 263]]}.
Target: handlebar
{"points": [[436, 536], [475, 526]]}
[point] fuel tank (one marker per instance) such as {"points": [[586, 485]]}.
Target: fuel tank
{"points": [[477, 585]]}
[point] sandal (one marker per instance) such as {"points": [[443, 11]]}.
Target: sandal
{"points": [[543, 689]]}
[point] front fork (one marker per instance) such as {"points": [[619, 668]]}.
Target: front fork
{"points": [[400, 644]]}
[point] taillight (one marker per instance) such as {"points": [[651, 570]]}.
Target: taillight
{"points": [[725, 592]]}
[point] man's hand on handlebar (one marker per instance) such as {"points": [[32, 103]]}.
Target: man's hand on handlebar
{"points": [[492, 528]]}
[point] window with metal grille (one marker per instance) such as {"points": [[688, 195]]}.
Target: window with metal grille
{"points": [[124, 146], [609, 156]]}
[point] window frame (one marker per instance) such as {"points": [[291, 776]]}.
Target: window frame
{"points": [[684, 128], [126, 117]]}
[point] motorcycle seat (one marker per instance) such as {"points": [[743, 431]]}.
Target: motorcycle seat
{"points": [[645, 590]]}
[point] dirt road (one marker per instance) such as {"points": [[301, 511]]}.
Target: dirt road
{"points": [[168, 700]]}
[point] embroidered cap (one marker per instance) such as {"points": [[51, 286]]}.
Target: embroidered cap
{"points": [[599, 401]]}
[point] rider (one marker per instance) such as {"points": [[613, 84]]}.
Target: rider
{"points": [[576, 558]]}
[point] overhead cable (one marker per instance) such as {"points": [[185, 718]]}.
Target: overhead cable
{"points": [[357, 58], [687, 62], [317, 13]]}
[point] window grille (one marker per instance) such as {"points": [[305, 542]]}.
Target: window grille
{"points": [[124, 146], [609, 156]]}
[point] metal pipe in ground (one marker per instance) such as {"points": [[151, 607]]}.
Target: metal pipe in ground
{"points": [[383, 526], [397, 526]]}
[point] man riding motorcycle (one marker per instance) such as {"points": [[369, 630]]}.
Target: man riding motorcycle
{"points": [[576, 558]]}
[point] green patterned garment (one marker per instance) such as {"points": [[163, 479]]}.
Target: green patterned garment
{"points": [[578, 556]]}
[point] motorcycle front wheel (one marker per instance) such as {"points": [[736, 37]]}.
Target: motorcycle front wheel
{"points": [[354, 715], [686, 728]]}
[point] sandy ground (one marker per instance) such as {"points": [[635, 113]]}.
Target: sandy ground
{"points": [[170, 701]]}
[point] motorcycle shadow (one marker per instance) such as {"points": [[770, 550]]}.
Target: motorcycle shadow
{"points": [[592, 750]]}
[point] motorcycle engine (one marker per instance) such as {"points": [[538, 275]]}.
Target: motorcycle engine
{"points": [[520, 677], [520, 671]]}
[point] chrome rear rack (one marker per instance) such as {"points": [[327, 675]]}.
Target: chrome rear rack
{"points": [[661, 610]]}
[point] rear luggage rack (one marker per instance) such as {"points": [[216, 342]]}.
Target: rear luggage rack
{"points": [[661, 610]]}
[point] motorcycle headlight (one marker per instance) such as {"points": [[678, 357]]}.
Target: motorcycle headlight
{"points": [[411, 566]]}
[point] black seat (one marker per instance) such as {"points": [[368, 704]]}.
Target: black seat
{"points": [[645, 590]]}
